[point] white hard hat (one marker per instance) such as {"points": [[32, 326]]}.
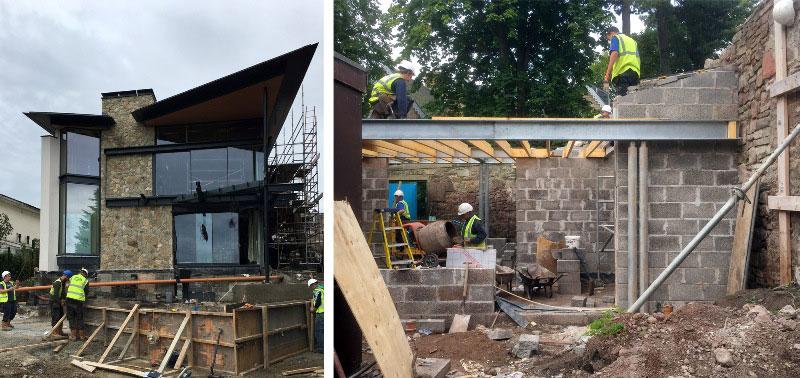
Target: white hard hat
{"points": [[311, 282], [5, 273], [84, 270], [606, 108], [398, 192], [464, 208], [405, 66]]}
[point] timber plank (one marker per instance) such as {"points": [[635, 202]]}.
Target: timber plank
{"points": [[743, 240], [358, 276], [133, 311], [784, 203]]}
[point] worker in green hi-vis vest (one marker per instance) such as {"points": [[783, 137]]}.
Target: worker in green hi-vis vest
{"points": [[623, 61], [389, 97], [8, 300], [472, 230], [318, 308], [76, 299]]}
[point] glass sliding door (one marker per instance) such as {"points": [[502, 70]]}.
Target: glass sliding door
{"points": [[207, 238]]}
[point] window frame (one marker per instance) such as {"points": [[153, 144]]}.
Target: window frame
{"points": [[71, 178]]}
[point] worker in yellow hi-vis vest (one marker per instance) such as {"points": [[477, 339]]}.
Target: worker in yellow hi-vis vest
{"points": [[472, 227], [623, 61], [389, 96], [318, 308], [8, 300], [76, 299]]}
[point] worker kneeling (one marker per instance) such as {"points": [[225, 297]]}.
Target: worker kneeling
{"points": [[472, 230], [389, 97], [58, 300], [76, 298]]}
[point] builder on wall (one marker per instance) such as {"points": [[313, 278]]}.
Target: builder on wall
{"points": [[472, 230], [389, 97], [623, 62]]}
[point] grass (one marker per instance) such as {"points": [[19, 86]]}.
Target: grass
{"points": [[605, 324]]}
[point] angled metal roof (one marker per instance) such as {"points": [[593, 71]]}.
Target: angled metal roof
{"points": [[51, 121]]}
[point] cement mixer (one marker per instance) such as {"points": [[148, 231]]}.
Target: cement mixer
{"points": [[433, 240]]}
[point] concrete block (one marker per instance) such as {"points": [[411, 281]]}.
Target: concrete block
{"points": [[681, 227], [691, 112], [592, 302], [480, 293], [526, 346], [650, 96], [699, 80], [697, 177], [665, 210], [680, 194], [664, 243], [568, 266], [714, 194], [728, 112], [578, 301], [697, 211], [726, 177], [568, 288], [479, 307], [685, 292], [716, 96], [451, 292], [680, 96], [665, 177], [726, 79], [431, 367], [718, 161], [420, 293], [499, 334], [631, 111]]}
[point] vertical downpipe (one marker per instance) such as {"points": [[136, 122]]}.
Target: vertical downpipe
{"points": [[644, 218], [633, 166]]}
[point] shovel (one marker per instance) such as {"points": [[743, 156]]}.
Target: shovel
{"points": [[460, 321]]}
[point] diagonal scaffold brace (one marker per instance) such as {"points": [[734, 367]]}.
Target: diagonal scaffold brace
{"points": [[736, 195]]}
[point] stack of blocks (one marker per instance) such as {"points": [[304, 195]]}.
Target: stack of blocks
{"points": [[570, 283]]}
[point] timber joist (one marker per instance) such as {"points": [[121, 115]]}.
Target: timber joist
{"points": [[503, 140]]}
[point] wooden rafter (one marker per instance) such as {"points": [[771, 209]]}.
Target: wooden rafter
{"points": [[568, 149], [369, 153], [459, 146], [485, 147], [510, 151], [395, 147], [415, 146], [587, 151], [527, 147]]}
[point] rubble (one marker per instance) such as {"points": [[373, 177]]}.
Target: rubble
{"points": [[526, 346], [499, 334]]}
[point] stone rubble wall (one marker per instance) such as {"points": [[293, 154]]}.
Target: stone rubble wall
{"points": [[751, 53]]}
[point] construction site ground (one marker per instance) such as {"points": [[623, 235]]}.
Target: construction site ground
{"points": [[42, 362], [744, 335]]}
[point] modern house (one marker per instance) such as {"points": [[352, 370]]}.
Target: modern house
{"points": [[170, 187], [24, 218]]}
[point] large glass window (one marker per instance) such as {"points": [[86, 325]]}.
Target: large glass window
{"points": [[81, 223], [177, 172], [207, 238], [82, 154]]}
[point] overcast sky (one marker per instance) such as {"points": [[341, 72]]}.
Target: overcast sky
{"points": [[60, 55]]}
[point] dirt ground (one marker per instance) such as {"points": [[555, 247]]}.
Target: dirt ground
{"points": [[42, 362], [745, 335]]}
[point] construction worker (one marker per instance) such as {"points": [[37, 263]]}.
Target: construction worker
{"points": [[472, 230], [389, 97], [76, 298], [8, 300], [605, 112], [58, 300], [318, 308], [405, 215], [623, 61]]}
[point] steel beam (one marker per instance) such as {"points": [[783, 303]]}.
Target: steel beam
{"points": [[544, 129]]}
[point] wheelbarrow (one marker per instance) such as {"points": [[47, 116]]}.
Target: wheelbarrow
{"points": [[533, 284]]}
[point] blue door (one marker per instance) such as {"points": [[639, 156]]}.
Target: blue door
{"points": [[410, 195]]}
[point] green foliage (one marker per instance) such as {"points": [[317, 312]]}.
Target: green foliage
{"points": [[5, 226], [504, 57], [22, 264], [605, 324], [694, 30], [361, 33]]}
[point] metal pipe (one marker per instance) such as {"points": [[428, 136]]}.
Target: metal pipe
{"points": [[159, 282], [644, 217], [735, 196], [633, 282]]}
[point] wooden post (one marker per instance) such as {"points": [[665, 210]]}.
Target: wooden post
{"points": [[175, 342], [265, 334], [310, 325], [90, 339], [105, 330], [782, 116], [133, 312], [58, 324]]}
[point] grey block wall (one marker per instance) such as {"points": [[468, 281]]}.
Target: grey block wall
{"points": [[558, 195], [688, 183], [701, 95], [437, 293]]}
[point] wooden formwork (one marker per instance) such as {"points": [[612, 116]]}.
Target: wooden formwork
{"points": [[243, 345]]}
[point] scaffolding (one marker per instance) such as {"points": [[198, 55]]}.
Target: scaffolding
{"points": [[298, 238]]}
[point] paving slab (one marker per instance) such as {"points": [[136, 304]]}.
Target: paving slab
{"points": [[431, 367]]}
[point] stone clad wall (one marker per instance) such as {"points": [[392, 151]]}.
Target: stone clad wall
{"points": [[131, 237], [688, 183], [559, 195], [751, 52]]}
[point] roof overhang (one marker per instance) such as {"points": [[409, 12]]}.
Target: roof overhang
{"points": [[51, 122], [237, 96]]}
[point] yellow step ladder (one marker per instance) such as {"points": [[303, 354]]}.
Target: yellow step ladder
{"points": [[380, 217]]}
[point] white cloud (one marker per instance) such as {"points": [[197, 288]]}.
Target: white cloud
{"points": [[59, 56]]}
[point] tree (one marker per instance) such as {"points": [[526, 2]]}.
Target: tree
{"points": [[361, 34], [504, 57], [5, 226], [682, 34]]}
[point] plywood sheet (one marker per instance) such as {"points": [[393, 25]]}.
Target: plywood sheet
{"points": [[358, 277], [742, 240]]}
